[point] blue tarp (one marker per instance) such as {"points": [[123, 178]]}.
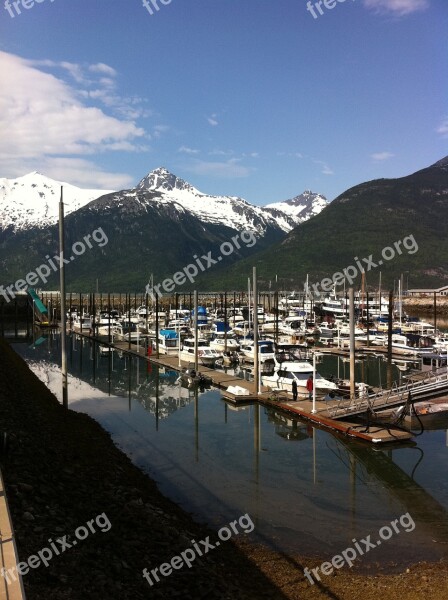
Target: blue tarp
{"points": [[169, 334]]}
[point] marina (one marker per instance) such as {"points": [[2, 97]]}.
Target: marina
{"points": [[217, 458], [193, 342]]}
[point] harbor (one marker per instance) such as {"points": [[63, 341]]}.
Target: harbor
{"points": [[216, 453], [220, 337]]}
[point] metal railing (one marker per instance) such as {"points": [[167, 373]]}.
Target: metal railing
{"points": [[397, 394]]}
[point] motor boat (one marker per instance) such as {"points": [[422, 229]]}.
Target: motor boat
{"points": [[288, 367], [206, 355], [266, 350], [168, 341], [222, 341]]}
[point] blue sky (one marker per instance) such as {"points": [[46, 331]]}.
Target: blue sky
{"points": [[255, 98]]}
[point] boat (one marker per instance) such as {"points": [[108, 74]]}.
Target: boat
{"points": [[125, 331], [168, 342], [220, 343], [402, 345], [82, 324], [287, 367], [333, 306], [266, 350], [206, 355], [441, 343], [228, 359]]}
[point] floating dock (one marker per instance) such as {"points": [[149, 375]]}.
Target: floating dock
{"points": [[325, 412]]}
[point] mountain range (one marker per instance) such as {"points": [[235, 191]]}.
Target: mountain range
{"points": [[164, 223], [155, 228]]}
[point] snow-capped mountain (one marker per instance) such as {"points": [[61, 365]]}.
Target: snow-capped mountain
{"points": [[301, 207], [33, 201], [229, 210]]}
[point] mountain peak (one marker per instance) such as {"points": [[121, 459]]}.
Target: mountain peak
{"points": [[306, 196], [162, 180], [301, 207]]}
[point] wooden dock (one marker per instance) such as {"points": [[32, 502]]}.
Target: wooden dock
{"points": [[282, 400], [11, 584]]}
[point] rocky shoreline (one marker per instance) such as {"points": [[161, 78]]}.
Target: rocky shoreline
{"points": [[61, 470]]}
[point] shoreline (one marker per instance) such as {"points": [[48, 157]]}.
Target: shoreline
{"points": [[62, 469]]}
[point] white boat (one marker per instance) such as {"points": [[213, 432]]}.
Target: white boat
{"points": [[168, 342], [219, 342], [292, 326], [206, 355], [125, 331], [402, 345], [326, 330], [82, 324], [265, 350], [104, 327], [268, 325], [334, 306], [441, 343], [288, 368]]}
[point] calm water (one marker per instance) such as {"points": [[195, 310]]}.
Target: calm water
{"points": [[306, 490]]}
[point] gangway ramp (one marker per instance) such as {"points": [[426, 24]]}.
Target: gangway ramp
{"points": [[39, 308], [431, 385]]}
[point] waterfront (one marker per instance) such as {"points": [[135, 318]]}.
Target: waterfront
{"points": [[307, 491]]}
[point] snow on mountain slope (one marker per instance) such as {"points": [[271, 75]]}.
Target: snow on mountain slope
{"points": [[33, 201], [301, 207], [229, 210]]}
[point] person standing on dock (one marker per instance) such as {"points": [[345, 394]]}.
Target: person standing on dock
{"points": [[310, 386], [294, 390]]}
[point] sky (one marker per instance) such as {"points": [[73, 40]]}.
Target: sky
{"points": [[260, 99]]}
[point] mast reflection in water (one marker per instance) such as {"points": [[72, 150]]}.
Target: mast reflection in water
{"points": [[307, 491]]}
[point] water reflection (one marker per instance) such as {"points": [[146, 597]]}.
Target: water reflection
{"points": [[307, 490]]}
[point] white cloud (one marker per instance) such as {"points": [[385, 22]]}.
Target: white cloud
{"points": [[381, 156], [290, 154], [42, 117], [218, 152], [399, 8], [212, 119], [228, 169], [187, 150], [159, 130], [443, 128], [326, 170], [98, 83], [102, 68]]}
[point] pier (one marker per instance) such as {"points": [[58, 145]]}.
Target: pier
{"points": [[335, 415]]}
